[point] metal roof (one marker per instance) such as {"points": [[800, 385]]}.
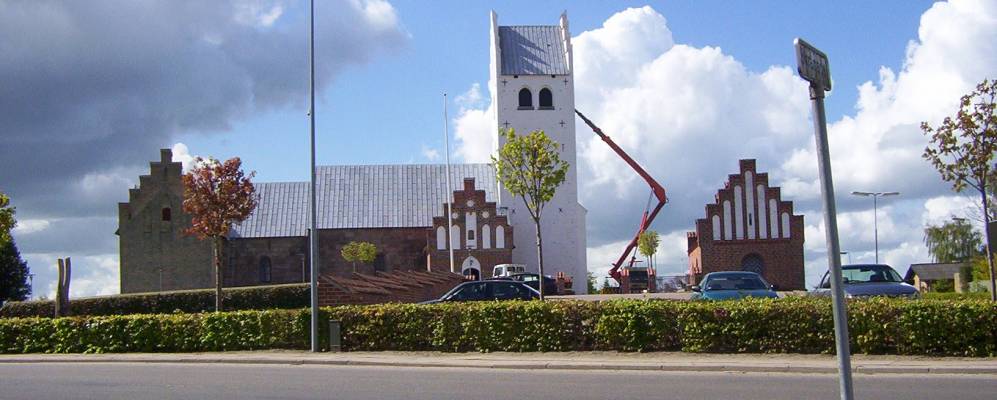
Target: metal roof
{"points": [[532, 50], [361, 196]]}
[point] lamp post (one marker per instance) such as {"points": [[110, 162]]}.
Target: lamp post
{"points": [[875, 213], [845, 253]]}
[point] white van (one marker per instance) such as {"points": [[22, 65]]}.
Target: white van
{"points": [[502, 270]]}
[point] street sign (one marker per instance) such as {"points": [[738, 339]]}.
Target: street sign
{"points": [[812, 65]]}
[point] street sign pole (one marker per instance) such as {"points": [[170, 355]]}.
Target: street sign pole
{"points": [[813, 67]]}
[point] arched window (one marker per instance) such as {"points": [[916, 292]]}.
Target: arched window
{"points": [[525, 99], [441, 238], [265, 269], [546, 99], [167, 214], [486, 237], [455, 237], [499, 237]]}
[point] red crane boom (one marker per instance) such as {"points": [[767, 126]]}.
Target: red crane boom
{"points": [[656, 189]]}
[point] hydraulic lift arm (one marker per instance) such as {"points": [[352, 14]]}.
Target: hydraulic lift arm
{"points": [[648, 217]]}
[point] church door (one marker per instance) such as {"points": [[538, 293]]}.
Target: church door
{"points": [[471, 268]]}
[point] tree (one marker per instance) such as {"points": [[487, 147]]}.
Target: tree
{"points": [[217, 196], [7, 221], [359, 251], [590, 282], [529, 167], [952, 242], [647, 244], [13, 274], [962, 150]]}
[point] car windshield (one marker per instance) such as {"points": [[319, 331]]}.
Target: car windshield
{"points": [[734, 282], [869, 274]]}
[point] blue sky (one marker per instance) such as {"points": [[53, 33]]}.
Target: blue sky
{"points": [[100, 86], [383, 112]]}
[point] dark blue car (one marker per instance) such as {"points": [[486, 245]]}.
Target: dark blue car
{"points": [[868, 280], [732, 285]]}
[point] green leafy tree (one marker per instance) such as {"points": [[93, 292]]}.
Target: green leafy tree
{"points": [[962, 150], [7, 221], [363, 252], [217, 195], [952, 242], [14, 272], [647, 244], [529, 167]]}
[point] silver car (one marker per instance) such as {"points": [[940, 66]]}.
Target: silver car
{"points": [[868, 280]]}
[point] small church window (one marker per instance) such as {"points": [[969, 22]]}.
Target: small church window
{"points": [[265, 269], [167, 214], [470, 235], [525, 99], [546, 99]]}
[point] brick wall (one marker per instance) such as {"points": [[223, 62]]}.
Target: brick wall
{"points": [[757, 234], [470, 203]]}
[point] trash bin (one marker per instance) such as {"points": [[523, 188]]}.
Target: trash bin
{"points": [[335, 337]]}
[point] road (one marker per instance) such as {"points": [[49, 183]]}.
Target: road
{"points": [[244, 381]]}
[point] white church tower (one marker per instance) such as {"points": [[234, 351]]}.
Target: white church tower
{"points": [[533, 88]]}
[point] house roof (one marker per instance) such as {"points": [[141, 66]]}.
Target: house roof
{"points": [[532, 50], [934, 271], [361, 196]]}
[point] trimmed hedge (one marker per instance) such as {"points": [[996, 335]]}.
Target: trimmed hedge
{"points": [[791, 325], [187, 301]]}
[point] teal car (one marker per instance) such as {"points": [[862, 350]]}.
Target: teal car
{"points": [[732, 285]]}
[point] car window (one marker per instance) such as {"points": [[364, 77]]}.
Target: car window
{"points": [[735, 282], [869, 274], [475, 291], [529, 278], [506, 291]]}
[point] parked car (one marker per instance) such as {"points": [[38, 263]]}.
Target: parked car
{"points": [[533, 280], [488, 290], [503, 270], [731, 285], [868, 280]]}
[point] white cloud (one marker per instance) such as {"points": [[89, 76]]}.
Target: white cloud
{"points": [[93, 275], [430, 154], [182, 154], [28, 226], [688, 113]]}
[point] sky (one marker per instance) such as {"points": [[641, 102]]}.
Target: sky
{"points": [[92, 91]]}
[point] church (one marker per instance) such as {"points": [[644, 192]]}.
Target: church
{"points": [[401, 209], [749, 228]]}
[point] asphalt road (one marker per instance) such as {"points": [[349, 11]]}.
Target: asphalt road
{"points": [[239, 381]]}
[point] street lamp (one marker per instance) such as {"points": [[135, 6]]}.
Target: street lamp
{"points": [[845, 253], [875, 216]]}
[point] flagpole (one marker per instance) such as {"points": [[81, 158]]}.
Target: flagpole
{"points": [[446, 140], [313, 232]]}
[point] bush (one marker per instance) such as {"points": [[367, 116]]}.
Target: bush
{"points": [[791, 325], [188, 301]]}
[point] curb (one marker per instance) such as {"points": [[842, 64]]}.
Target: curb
{"points": [[518, 365]]}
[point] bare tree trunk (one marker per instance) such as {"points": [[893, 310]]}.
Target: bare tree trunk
{"points": [[540, 257], [990, 258], [218, 274]]}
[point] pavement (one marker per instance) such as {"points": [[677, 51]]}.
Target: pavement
{"points": [[597, 361]]}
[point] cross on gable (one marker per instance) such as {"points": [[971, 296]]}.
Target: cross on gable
{"points": [[565, 81], [504, 82], [562, 123], [506, 124]]}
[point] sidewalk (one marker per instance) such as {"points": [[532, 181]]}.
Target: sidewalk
{"points": [[784, 363]]}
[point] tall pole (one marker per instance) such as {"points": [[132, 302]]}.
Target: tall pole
{"points": [[813, 66], [446, 140], [875, 224], [313, 232], [875, 214]]}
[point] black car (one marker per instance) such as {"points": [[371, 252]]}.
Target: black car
{"points": [[488, 290], [533, 280]]}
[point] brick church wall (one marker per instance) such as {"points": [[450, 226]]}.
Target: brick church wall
{"points": [[467, 201], [782, 256]]}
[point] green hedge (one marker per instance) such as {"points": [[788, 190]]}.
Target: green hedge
{"points": [[187, 301], [791, 325]]}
